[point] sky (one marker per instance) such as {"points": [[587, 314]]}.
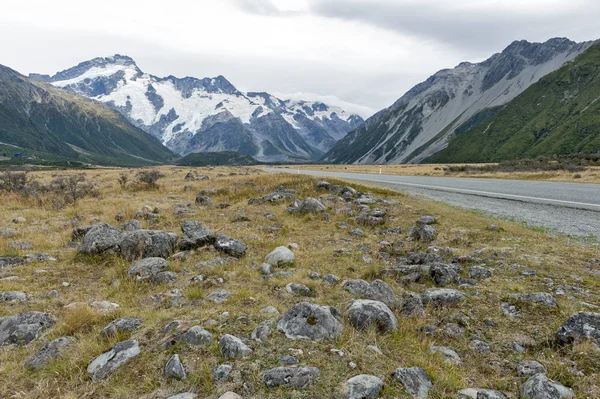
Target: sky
{"points": [[360, 54]]}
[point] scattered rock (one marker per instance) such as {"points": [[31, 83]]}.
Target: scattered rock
{"points": [[222, 372], [377, 290], [288, 360], [22, 328], [104, 306], [122, 325], [101, 239], [19, 220], [262, 332], [427, 220], [147, 244], [13, 296], [479, 346], [266, 269], [105, 364], [363, 387], [538, 298], [195, 236], [230, 395], [49, 352], [219, 296], [230, 246], [148, 269], [364, 313], [195, 336], [280, 256], [415, 380], [309, 205], [298, 289], [451, 357], [21, 245], [287, 377], [529, 368], [479, 273], [331, 279], [442, 297], [443, 274], [8, 233], [233, 348], [309, 321], [184, 395], [541, 387], [581, 325], [422, 232], [174, 368], [478, 393], [203, 200], [132, 225]]}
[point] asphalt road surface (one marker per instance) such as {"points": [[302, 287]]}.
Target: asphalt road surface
{"points": [[568, 208]]}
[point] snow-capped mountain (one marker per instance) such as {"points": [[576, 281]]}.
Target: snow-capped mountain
{"points": [[422, 121], [196, 115]]}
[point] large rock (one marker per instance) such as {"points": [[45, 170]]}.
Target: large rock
{"points": [[363, 387], [219, 296], [174, 368], [195, 336], [528, 368], [365, 313], [101, 239], [230, 246], [195, 236], [105, 364], [582, 325], [49, 352], [309, 321], [280, 256], [22, 328], [423, 232], [122, 325], [147, 244], [377, 290], [289, 377], [233, 348], [442, 297], [415, 380], [479, 273], [311, 205], [13, 296], [541, 387], [444, 274], [149, 269]]}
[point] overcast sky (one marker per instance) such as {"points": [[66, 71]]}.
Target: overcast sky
{"points": [[363, 54]]}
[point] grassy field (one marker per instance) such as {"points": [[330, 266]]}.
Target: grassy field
{"points": [[560, 263], [591, 175]]}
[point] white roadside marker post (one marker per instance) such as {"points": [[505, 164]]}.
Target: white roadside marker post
{"points": [[379, 169]]}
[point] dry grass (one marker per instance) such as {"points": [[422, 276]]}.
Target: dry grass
{"points": [[591, 175], [507, 252]]}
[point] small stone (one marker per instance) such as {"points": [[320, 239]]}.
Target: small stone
{"points": [[288, 360], [364, 313], [538, 298], [451, 357], [280, 256], [541, 387], [479, 273], [51, 351], [309, 321], [287, 377], [230, 246], [266, 269], [331, 279], [219, 296], [423, 233], [442, 297], [122, 325], [195, 336], [230, 395], [104, 306], [261, 333], [427, 220], [174, 368], [479, 346], [13, 296], [298, 289], [270, 310]]}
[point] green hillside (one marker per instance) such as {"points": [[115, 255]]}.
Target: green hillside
{"points": [[217, 159], [558, 115], [50, 124]]}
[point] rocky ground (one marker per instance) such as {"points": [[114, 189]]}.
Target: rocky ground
{"points": [[227, 283]]}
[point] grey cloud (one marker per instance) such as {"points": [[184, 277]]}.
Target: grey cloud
{"points": [[261, 7], [465, 29]]}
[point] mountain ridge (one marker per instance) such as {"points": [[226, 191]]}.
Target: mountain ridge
{"points": [[422, 121], [187, 113]]}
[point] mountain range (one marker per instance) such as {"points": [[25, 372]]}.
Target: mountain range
{"points": [[191, 115], [452, 101], [37, 119]]}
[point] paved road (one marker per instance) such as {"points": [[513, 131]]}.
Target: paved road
{"points": [[569, 208]]}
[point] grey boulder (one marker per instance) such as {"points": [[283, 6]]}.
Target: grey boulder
{"points": [[289, 377], [363, 387], [298, 289], [233, 348], [195, 236], [415, 380], [442, 297], [105, 364], [22, 328], [365, 313], [49, 352], [219, 296], [528, 368], [174, 368], [479, 273], [125, 324], [423, 232], [194, 336], [147, 269], [280, 256], [309, 321], [230, 246], [101, 239], [541, 387], [377, 290], [538, 298], [147, 244], [581, 325], [13, 296]]}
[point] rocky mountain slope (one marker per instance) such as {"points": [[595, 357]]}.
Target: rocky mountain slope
{"points": [[38, 119], [422, 122], [201, 115], [560, 114]]}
